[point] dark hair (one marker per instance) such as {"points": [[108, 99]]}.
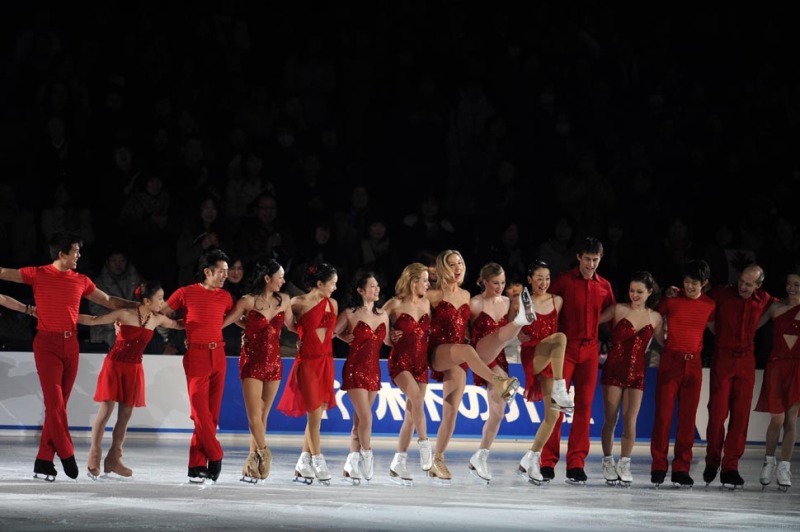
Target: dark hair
{"points": [[61, 242], [360, 280], [535, 265], [647, 279], [146, 290], [257, 282], [210, 258], [590, 244], [318, 272], [697, 270]]}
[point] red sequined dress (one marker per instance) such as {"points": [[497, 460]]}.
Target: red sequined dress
{"points": [[310, 383], [362, 368], [483, 326], [544, 326], [625, 364], [260, 356], [410, 352], [780, 389], [122, 377], [448, 326]]}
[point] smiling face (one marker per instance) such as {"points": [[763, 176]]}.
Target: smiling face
{"points": [[793, 285], [275, 281], [215, 277], [749, 282], [155, 303], [371, 291], [236, 272], [328, 287], [588, 263], [638, 293], [421, 285], [456, 265], [69, 261], [693, 288], [539, 281], [495, 286]]}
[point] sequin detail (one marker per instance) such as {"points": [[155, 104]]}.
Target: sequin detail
{"points": [[362, 368], [625, 364], [260, 357], [410, 352], [485, 325], [544, 326], [448, 326], [780, 389], [130, 344]]}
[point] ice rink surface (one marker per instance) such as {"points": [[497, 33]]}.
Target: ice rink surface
{"points": [[158, 496]]}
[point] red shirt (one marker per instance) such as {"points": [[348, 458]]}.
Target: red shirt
{"points": [[686, 321], [58, 296], [584, 301], [204, 311], [736, 318]]}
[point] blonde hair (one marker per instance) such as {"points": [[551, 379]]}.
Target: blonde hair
{"points": [[488, 271], [444, 272], [410, 275]]}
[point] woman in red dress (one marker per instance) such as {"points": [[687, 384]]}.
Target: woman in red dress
{"points": [[121, 380], [362, 325], [309, 390], [265, 310]]}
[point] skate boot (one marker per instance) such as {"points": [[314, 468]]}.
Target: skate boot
{"points": [[398, 471], [559, 397], [198, 474], [784, 476], [548, 472], [250, 472], [576, 476], [710, 473], [368, 464], [44, 470], [529, 466], [682, 479], [731, 480], [352, 468], [768, 471], [479, 467], [425, 454], [70, 467], [113, 463], [624, 471], [321, 469], [304, 471], [610, 471], [657, 477], [93, 462], [525, 315], [214, 469], [264, 462], [439, 469], [508, 386]]}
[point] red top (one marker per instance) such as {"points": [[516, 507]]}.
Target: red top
{"points": [[736, 318], [686, 320], [320, 316], [584, 301], [204, 311], [131, 343], [58, 296]]}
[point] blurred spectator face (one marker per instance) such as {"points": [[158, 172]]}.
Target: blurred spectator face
{"points": [[266, 210], [430, 208], [322, 234], [236, 272], [208, 211], [117, 263], [511, 236], [377, 230], [285, 137], [56, 130], [193, 151], [360, 198], [123, 158], [160, 139], [154, 185], [563, 230], [253, 166]]}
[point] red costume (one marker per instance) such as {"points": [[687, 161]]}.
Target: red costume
{"points": [[55, 349], [410, 352], [625, 364], [310, 383], [448, 326], [584, 301], [733, 373], [260, 357], [483, 326], [544, 326], [362, 368], [122, 377], [204, 364], [780, 389], [680, 376]]}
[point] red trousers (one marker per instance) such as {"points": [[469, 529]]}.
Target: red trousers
{"points": [[205, 380], [733, 376], [680, 376], [56, 358], [580, 366]]}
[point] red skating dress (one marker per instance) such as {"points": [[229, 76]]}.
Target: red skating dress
{"points": [[448, 326], [410, 352], [122, 377], [625, 364], [544, 326], [482, 326], [310, 383], [260, 357], [780, 389], [362, 368]]}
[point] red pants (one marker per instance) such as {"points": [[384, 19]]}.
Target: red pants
{"points": [[679, 377], [56, 360], [205, 380], [732, 381], [580, 366]]}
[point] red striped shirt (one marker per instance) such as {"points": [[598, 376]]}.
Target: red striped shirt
{"points": [[57, 295], [204, 311], [686, 321]]}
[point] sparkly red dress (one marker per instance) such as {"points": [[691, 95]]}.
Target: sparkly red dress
{"points": [[260, 357], [410, 352], [544, 326], [362, 368], [310, 382], [482, 326], [122, 377], [625, 364], [448, 326], [780, 389]]}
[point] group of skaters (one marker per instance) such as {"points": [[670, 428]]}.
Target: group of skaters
{"points": [[435, 331]]}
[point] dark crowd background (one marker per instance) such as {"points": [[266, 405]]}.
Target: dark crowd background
{"points": [[371, 136]]}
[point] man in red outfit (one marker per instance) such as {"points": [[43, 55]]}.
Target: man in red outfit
{"points": [[204, 306], [57, 291], [733, 370], [585, 295]]}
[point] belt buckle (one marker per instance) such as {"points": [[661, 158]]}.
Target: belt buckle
{"points": [[688, 356], [68, 334], [212, 345]]}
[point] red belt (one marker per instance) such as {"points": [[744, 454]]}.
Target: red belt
{"points": [[208, 345], [59, 334]]}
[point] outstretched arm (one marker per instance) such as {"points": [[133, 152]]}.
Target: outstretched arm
{"points": [[103, 319], [112, 302], [11, 303], [9, 274]]}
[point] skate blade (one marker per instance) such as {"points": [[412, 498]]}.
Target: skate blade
{"points": [[197, 481], [612, 483], [624, 484], [326, 482], [303, 480], [564, 409], [347, 479], [731, 487], [476, 476], [45, 477], [783, 489], [575, 482], [438, 480], [511, 392], [115, 476], [397, 479], [682, 486], [249, 480]]}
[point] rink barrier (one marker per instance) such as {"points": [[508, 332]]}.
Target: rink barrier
{"points": [[167, 410]]}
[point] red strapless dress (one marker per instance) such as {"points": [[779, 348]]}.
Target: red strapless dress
{"points": [[410, 352], [483, 325], [544, 326], [362, 368], [780, 389], [625, 364], [448, 326], [122, 377], [260, 357]]}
